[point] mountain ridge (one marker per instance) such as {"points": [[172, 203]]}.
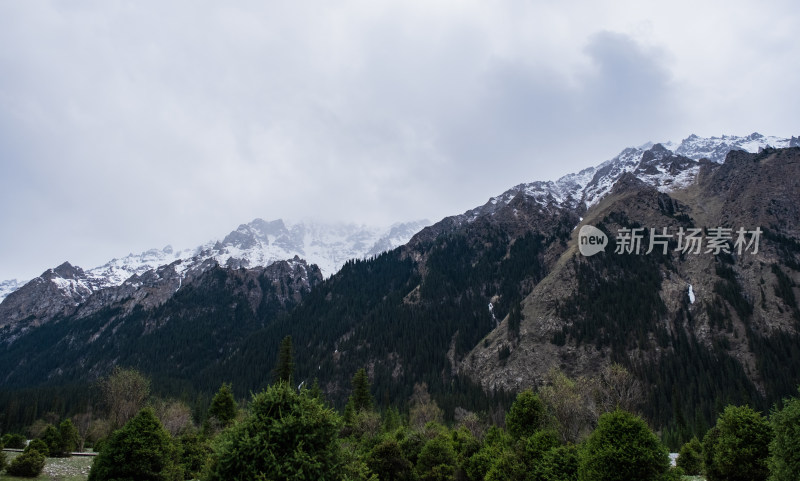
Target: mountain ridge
{"points": [[257, 243], [490, 300]]}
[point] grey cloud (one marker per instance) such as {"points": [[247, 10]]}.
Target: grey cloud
{"points": [[129, 125]]}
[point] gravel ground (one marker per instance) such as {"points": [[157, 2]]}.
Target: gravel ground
{"points": [[75, 468]]}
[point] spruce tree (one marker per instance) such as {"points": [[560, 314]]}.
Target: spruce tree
{"points": [[622, 447], [361, 397], [223, 407], [784, 461], [68, 438], [690, 457], [737, 448], [287, 435], [284, 371], [142, 450], [29, 464], [52, 438]]}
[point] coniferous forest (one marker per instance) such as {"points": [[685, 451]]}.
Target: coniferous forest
{"points": [[402, 366]]}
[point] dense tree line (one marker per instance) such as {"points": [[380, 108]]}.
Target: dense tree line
{"points": [[571, 429], [404, 324]]}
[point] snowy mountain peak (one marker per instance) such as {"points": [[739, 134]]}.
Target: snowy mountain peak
{"points": [[327, 245], [666, 166], [716, 148], [257, 243]]}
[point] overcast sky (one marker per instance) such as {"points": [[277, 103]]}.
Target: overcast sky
{"points": [[127, 125]]}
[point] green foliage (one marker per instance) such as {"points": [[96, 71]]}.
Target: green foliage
{"points": [[353, 464], [495, 443], [737, 448], [195, 452], [288, 435], [539, 443], [387, 461], [710, 468], [784, 449], [694, 381], [559, 464], [617, 302], [690, 457], [284, 369], [13, 441], [465, 444], [526, 415], [507, 467], [411, 443], [622, 447], [2, 458], [223, 407], [569, 403], [365, 426], [60, 442], [391, 419], [361, 397], [29, 464], [141, 450], [68, 438], [38, 445], [437, 459], [125, 392], [52, 438]]}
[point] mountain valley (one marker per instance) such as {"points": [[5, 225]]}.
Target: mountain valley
{"points": [[478, 306]]}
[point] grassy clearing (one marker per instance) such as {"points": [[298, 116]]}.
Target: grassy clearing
{"points": [[75, 468]]}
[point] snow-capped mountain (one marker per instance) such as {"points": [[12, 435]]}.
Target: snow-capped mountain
{"points": [[9, 286], [258, 243], [667, 166], [328, 246]]}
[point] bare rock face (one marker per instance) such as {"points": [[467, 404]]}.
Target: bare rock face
{"points": [[56, 292], [685, 293], [519, 251]]}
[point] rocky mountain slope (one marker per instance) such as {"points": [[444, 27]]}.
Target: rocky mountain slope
{"points": [[731, 306], [459, 280], [492, 299], [257, 243], [161, 318]]}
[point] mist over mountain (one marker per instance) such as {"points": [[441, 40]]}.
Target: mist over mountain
{"points": [[484, 302], [257, 243]]}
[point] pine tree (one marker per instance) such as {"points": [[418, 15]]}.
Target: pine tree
{"points": [[68, 438], [361, 397], [737, 448], [784, 461], [223, 406], [622, 447], [141, 450], [287, 435], [52, 438], [316, 391], [284, 371]]}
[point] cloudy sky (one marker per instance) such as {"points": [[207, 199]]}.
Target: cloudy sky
{"points": [[126, 125]]}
